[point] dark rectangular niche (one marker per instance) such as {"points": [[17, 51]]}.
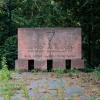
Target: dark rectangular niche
{"points": [[49, 65], [68, 64], [30, 65]]}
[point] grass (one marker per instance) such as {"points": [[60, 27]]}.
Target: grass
{"points": [[25, 92], [58, 72], [7, 88], [96, 75], [60, 93]]}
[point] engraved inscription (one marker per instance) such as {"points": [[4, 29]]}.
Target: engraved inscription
{"points": [[50, 44], [50, 36]]}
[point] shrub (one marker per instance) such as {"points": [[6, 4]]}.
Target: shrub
{"points": [[9, 51], [4, 72]]}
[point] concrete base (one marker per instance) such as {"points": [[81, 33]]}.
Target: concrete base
{"points": [[77, 63], [21, 64], [59, 63], [40, 64]]}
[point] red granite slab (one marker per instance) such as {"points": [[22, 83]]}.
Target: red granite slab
{"points": [[49, 43]]}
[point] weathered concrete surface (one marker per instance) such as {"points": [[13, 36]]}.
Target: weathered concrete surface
{"points": [[41, 86]]}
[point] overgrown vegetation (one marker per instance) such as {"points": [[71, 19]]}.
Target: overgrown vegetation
{"points": [[9, 51], [4, 72], [9, 85], [8, 88]]}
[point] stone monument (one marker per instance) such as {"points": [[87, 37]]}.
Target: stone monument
{"points": [[38, 47]]}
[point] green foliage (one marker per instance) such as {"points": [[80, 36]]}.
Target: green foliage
{"points": [[9, 51], [25, 92], [96, 75], [73, 71], [70, 74], [4, 72], [7, 90], [87, 69], [59, 72], [93, 98]]}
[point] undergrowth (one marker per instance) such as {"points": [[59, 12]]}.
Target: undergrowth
{"points": [[8, 88]]}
